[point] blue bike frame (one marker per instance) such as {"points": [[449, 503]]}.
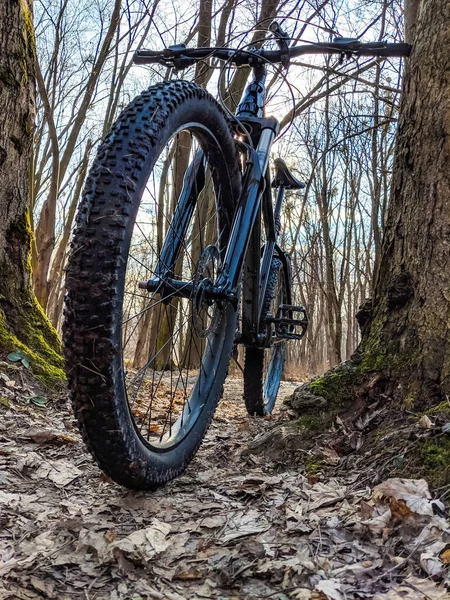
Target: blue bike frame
{"points": [[244, 261]]}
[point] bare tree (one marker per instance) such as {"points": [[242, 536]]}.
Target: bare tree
{"points": [[22, 323]]}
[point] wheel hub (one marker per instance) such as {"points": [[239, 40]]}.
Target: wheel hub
{"points": [[205, 308]]}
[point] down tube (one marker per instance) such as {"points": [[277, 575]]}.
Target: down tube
{"points": [[246, 212]]}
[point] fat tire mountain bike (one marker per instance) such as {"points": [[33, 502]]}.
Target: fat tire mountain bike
{"points": [[168, 272]]}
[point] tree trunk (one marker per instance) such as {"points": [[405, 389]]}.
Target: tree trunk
{"points": [[23, 325], [411, 323], [403, 361]]}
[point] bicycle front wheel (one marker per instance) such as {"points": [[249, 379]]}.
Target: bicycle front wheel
{"points": [[146, 368], [263, 367]]}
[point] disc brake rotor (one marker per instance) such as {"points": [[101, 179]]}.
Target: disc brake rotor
{"points": [[205, 314]]}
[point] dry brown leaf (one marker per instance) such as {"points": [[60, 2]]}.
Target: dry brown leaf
{"points": [[61, 471], [301, 594], [144, 544], [400, 510], [445, 556], [110, 536], [414, 588], [325, 494], [331, 589], [243, 523], [191, 573], [331, 456], [425, 422], [48, 436], [46, 586], [431, 564], [414, 492]]}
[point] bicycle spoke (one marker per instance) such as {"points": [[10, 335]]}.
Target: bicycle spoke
{"points": [[164, 325]]}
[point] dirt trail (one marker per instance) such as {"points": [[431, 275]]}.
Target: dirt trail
{"points": [[236, 525]]}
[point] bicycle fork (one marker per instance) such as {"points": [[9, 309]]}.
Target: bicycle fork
{"points": [[245, 216]]}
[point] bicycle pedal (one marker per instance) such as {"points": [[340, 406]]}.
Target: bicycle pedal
{"points": [[285, 323]]}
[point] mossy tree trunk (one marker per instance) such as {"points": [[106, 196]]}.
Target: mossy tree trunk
{"points": [[404, 357], [22, 321], [408, 337]]}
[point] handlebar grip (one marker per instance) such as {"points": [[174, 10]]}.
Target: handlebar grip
{"points": [[400, 49], [145, 57]]}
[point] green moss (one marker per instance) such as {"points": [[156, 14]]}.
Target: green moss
{"points": [[313, 465], [374, 351], [338, 386], [38, 321], [435, 457], [29, 31], [395, 360], [315, 423], [439, 408], [409, 399], [43, 351], [26, 51]]}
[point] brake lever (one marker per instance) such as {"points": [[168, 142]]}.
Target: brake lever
{"points": [[352, 45], [282, 39], [173, 56]]}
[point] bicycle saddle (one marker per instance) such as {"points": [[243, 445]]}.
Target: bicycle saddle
{"points": [[284, 178]]}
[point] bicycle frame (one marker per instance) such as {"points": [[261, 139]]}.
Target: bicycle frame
{"points": [[243, 252]]}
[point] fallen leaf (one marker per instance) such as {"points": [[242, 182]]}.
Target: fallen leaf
{"points": [[414, 588], [191, 573], [61, 471], [325, 494], [425, 422], [301, 594], [39, 401], [243, 523], [414, 492], [445, 556], [431, 564], [331, 456], [331, 589], [48, 436], [144, 544], [110, 536], [400, 510]]}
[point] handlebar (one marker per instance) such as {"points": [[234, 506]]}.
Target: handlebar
{"points": [[181, 57]]}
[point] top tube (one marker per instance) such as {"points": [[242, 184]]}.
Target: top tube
{"points": [[181, 57]]}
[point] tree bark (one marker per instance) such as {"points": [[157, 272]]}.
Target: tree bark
{"points": [[403, 360], [23, 325], [411, 303], [411, 12]]}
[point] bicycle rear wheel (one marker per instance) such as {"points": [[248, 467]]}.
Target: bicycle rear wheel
{"points": [[263, 367], [146, 368]]}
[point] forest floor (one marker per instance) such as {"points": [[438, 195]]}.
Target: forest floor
{"points": [[238, 524]]}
